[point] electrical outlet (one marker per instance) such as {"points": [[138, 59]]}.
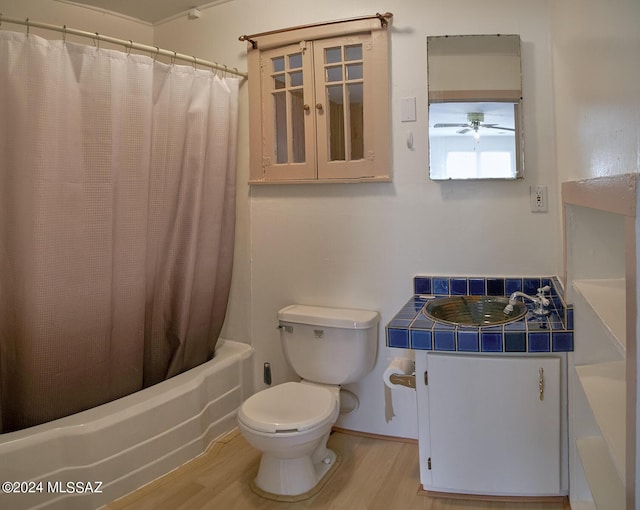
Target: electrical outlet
{"points": [[538, 195]]}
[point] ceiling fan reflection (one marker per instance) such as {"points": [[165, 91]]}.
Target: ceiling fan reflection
{"points": [[475, 121]]}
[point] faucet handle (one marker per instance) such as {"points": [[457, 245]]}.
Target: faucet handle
{"points": [[542, 299]]}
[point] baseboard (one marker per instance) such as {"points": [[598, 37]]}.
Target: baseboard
{"points": [[375, 436], [496, 499]]}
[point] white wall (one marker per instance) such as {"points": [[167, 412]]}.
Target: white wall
{"points": [[360, 245], [60, 13], [596, 67]]}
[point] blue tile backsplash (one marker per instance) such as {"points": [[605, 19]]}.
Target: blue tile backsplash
{"points": [[411, 329]]}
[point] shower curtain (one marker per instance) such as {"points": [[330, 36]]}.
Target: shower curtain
{"points": [[117, 213]]}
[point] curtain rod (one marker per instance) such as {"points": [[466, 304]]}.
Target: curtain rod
{"points": [[129, 45], [384, 21]]}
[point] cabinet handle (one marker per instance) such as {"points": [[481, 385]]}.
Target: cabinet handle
{"points": [[541, 383]]}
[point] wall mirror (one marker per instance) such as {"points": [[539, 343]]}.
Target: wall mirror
{"points": [[475, 96]]}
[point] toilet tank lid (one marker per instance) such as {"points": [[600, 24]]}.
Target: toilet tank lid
{"points": [[328, 317]]}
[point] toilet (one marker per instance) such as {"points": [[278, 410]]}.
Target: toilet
{"points": [[290, 423]]}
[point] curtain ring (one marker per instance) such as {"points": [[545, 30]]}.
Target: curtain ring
{"points": [[28, 26], [64, 34], [96, 41], [225, 71], [157, 53], [129, 46], [173, 59]]}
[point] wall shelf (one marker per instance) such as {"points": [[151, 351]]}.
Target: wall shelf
{"points": [[607, 490], [600, 276], [604, 385], [606, 296]]}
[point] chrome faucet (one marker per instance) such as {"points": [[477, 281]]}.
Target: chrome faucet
{"points": [[540, 301]]}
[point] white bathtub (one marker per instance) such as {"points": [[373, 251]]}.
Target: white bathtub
{"points": [[119, 446]]}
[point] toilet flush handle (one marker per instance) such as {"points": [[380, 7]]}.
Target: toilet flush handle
{"points": [[267, 373], [285, 328]]}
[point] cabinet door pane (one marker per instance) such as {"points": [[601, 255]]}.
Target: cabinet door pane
{"points": [[277, 64], [278, 81], [354, 72], [353, 52], [333, 55], [280, 127], [335, 113], [356, 120], [295, 61], [334, 73], [297, 126], [295, 79]]}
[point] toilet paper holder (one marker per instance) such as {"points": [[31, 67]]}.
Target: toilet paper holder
{"points": [[403, 380]]}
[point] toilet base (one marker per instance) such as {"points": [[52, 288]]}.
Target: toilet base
{"points": [[293, 477]]}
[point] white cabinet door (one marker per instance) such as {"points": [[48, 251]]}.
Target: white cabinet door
{"points": [[489, 430]]}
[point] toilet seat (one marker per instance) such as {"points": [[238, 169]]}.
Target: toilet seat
{"points": [[289, 407]]}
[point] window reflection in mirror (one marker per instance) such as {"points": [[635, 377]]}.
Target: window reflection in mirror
{"points": [[473, 140], [474, 107]]}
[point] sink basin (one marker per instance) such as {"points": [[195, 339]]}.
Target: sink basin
{"points": [[473, 310]]}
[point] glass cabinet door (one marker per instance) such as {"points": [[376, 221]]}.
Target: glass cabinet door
{"points": [[287, 102], [341, 98]]}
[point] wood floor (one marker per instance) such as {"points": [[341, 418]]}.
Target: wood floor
{"points": [[375, 474]]}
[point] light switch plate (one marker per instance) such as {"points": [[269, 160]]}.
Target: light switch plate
{"points": [[408, 109]]}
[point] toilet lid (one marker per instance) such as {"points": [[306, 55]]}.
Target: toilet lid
{"points": [[288, 407]]}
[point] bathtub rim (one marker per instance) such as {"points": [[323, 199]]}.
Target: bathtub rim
{"points": [[92, 420]]}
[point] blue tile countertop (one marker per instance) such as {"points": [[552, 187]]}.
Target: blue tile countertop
{"points": [[411, 329]]}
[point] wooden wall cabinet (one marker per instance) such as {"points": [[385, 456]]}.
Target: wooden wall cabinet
{"points": [[319, 105]]}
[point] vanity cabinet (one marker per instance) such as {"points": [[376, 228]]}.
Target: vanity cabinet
{"points": [[601, 265], [490, 424]]}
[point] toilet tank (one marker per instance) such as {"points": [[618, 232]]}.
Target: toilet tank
{"points": [[329, 345]]}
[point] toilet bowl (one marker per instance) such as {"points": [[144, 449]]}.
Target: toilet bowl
{"points": [[290, 424]]}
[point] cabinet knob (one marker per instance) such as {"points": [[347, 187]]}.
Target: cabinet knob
{"points": [[306, 107], [319, 106]]}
